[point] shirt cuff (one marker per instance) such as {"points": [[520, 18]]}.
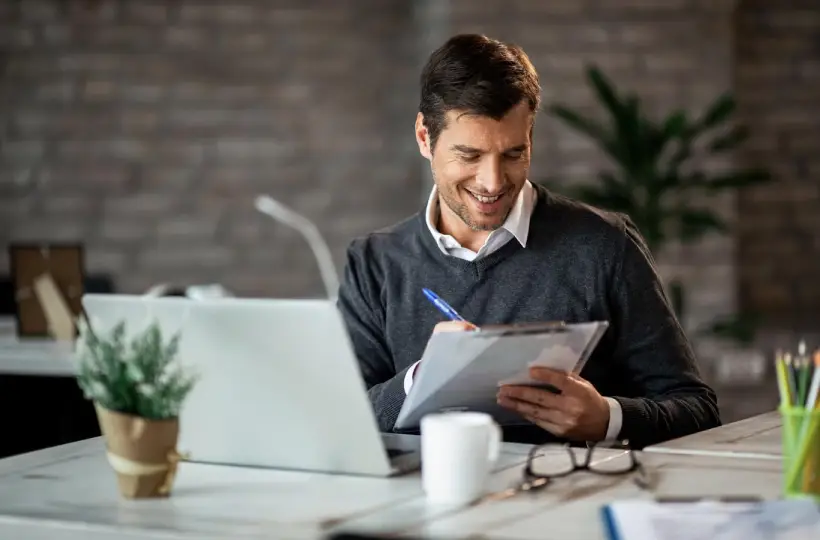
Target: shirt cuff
{"points": [[408, 378], [616, 418]]}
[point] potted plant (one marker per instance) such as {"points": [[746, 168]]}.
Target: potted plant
{"points": [[734, 343], [657, 172], [138, 390]]}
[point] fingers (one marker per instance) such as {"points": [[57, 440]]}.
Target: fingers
{"points": [[531, 410], [552, 427], [454, 326], [558, 379], [557, 413], [555, 421], [534, 396]]}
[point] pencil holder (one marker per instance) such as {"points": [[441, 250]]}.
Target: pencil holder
{"points": [[801, 452]]}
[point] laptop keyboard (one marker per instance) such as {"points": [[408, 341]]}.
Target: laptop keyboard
{"points": [[395, 452]]}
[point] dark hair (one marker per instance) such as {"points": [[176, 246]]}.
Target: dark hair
{"points": [[477, 75]]}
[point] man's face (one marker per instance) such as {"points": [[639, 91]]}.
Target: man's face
{"points": [[479, 166]]}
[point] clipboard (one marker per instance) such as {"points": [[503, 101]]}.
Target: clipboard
{"points": [[461, 371]]}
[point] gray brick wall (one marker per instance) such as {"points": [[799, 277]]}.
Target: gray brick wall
{"points": [[778, 80], [145, 128], [671, 53]]}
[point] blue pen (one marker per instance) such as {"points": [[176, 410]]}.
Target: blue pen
{"points": [[442, 306]]}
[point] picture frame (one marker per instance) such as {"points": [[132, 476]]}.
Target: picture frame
{"points": [[64, 262]]}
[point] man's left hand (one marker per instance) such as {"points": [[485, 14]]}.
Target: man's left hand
{"points": [[579, 412]]}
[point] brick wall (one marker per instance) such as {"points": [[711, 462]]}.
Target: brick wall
{"points": [[672, 53], [145, 128], [778, 81]]}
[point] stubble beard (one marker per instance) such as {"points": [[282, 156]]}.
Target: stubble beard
{"points": [[463, 212]]}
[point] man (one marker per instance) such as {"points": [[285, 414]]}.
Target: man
{"points": [[502, 250]]}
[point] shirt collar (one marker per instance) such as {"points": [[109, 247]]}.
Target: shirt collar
{"points": [[517, 222]]}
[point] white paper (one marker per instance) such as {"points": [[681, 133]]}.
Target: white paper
{"points": [[712, 520], [463, 370]]}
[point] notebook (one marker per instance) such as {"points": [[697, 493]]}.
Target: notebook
{"points": [[797, 519]]}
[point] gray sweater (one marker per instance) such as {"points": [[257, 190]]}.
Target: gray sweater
{"points": [[580, 264]]}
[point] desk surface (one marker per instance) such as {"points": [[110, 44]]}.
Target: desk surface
{"points": [[570, 508], [70, 492], [33, 356], [755, 437], [72, 488]]}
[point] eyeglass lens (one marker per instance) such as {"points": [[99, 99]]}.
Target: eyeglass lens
{"points": [[562, 460]]}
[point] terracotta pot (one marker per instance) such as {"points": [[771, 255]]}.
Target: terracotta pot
{"points": [[142, 452]]}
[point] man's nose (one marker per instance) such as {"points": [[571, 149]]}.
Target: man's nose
{"points": [[491, 176]]}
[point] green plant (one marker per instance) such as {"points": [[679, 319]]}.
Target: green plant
{"points": [[657, 178], [740, 328], [138, 378]]}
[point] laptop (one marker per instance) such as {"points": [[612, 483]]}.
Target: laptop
{"points": [[279, 385]]}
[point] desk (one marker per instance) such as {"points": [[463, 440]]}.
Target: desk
{"points": [[41, 402], [69, 492], [571, 508], [758, 437], [72, 488], [33, 356]]}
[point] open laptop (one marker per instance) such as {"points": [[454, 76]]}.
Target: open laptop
{"points": [[279, 383]]}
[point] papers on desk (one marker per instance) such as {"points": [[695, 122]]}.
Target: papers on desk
{"points": [[463, 370], [713, 520]]}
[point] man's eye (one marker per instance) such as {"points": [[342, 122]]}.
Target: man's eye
{"points": [[469, 158], [515, 155]]}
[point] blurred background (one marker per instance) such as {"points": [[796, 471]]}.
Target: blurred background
{"points": [[143, 129]]}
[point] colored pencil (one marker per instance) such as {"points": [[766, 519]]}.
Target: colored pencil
{"points": [[811, 401], [793, 397], [782, 379], [805, 439], [802, 367]]}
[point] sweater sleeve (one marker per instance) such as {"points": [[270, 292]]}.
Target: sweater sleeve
{"points": [[360, 305], [651, 346]]}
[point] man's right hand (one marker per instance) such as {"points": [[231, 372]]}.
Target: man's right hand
{"points": [[454, 326], [444, 326]]}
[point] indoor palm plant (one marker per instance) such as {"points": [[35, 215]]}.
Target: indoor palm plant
{"points": [[657, 176], [138, 391]]}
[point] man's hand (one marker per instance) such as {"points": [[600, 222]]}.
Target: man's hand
{"points": [[445, 326], [453, 326], [578, 413]]}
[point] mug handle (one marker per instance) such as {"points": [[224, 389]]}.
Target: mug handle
{"points": [[496, 437]]}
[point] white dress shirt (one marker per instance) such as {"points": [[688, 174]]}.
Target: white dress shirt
{"points": [[517, 225]]}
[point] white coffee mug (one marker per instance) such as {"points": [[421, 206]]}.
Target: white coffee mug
{"points": [[458, 452]]}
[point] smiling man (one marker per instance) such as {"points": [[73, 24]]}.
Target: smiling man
{"points": [[502, 250]]}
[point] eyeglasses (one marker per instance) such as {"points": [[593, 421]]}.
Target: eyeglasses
{"points": [[547, 462]]}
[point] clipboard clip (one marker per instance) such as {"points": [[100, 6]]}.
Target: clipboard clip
{"points": [[552, 327]]}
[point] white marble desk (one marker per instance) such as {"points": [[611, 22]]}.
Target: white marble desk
{"points": [[757, 437], [570, 508], [33, 356], [70, 492]]}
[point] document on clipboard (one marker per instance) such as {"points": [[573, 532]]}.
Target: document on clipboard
{"points": [[463, 370], [783, 519]]}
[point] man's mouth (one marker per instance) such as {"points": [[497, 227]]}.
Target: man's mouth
{"points": [[484, 198]]}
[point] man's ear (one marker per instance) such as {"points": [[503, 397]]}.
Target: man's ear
{"points": [[423, 137]]}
